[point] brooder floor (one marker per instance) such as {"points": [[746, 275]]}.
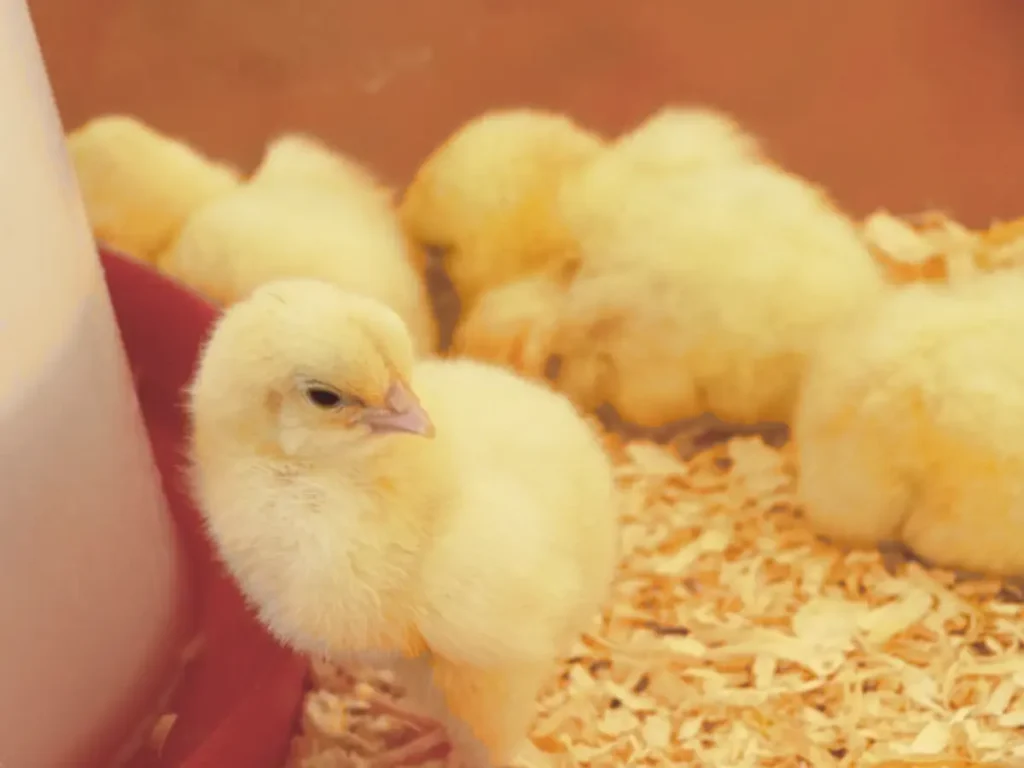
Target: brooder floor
{"points": [[735, 638]]}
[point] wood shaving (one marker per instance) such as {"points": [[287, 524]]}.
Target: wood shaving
{"points": [[736, 638], [934, 248], [338, 729]]}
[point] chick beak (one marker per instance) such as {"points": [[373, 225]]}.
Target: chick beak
{"points": [[401, 412]]}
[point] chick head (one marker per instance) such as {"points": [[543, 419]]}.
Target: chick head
{"points": [[482, 203], [310, 369], [687, 138], [301, 159]]}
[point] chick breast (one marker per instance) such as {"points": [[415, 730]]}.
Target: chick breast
{"points": [[911, 426]]}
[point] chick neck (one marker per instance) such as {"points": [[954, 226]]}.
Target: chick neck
{"points": [[386, 465]]}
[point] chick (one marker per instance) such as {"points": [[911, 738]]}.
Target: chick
{"points": [[444, 513], [306, 213], [140, 186], [506, 323], [911, 426], [505, 326], [702, 286], [484, 198]]}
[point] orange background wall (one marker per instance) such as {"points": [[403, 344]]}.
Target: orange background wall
{"points": [[906, 104]]}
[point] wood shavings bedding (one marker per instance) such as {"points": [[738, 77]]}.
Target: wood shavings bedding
{"points": [[934, 248], [735, 638]]}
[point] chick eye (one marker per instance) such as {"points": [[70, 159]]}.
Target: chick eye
{"points": [[325, 397]]}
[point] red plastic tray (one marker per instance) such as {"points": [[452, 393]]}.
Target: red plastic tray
{"points": [[238, 702]]}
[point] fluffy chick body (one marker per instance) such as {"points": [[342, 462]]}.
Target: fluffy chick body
{"points": [[484, 551], [305, 213], [911, 426], [702, 285], [503, 326], [139, 186], [484, 198]]}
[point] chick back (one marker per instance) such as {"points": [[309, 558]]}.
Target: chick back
{"points": [[718, 281], [263, 233], [139, 186], [682, 138]]}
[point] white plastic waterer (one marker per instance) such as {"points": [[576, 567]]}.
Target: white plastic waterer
{"points": [[90, 572]]}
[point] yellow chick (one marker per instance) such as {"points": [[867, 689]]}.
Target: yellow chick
{"points": [[444, 513], [504, 325], [702, 286], [484, 198], [910, 428], [309, 213], [140, 186]]}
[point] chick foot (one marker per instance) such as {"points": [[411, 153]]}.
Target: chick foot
{"points": [[443, 296], [896, 555], [428, 741], [381, 705], [1013, 589], [691, 436], [421, 749], [707, 431], [468, 755], [431, 746]]}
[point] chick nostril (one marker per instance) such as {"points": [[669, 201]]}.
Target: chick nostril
{"points": [[553, 367]]}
